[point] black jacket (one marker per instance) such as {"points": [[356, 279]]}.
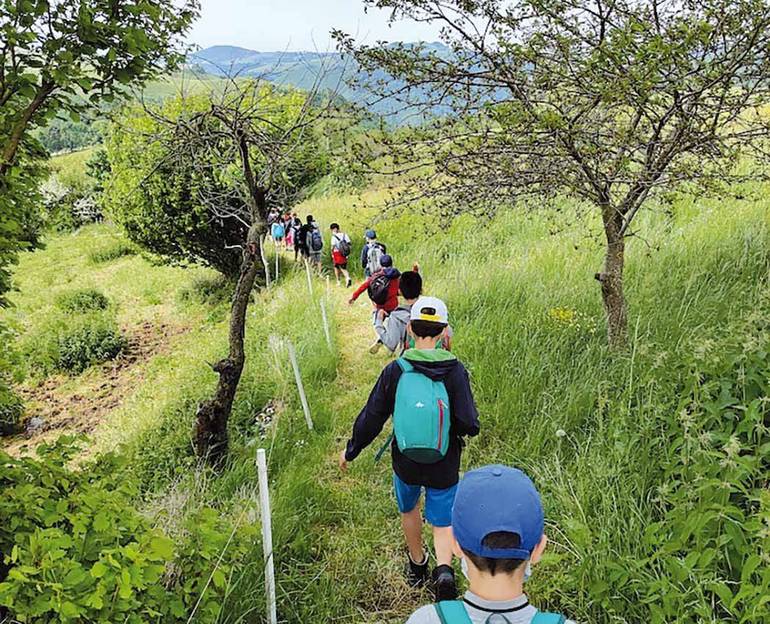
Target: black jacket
{"points": [[301, 239], [379, 407]]}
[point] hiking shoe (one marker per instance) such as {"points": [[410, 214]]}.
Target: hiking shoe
{"points": [[350, 283], [444, 583], [417, 573], [375, 347]]}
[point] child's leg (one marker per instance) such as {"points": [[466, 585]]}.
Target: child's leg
{"points": [[438, 513], [408, 498], [442, 542], [411, 523]]}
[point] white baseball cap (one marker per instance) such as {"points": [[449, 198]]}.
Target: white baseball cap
{"points": [[430, 309]]}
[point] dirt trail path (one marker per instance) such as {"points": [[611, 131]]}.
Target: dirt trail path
{"points": [[62, 405]]}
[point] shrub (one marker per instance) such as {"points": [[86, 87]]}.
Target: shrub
{"points": [[11, 407], [77, 550], [11, 410], [713, 535], [92, 340], [112, 252], [84, 300], [207, 290]]}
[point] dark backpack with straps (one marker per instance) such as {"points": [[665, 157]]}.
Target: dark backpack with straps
{"points": [[378, 289], [454, 612]]}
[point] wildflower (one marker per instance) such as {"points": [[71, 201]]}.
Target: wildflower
{"points": [[560, 433]]}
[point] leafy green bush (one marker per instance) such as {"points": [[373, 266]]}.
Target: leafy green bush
{"points": [[92, 340], [11, 410], [207, 290], [84, 300], [77, 550], [714, 504], [11, 407], [112, 252]]}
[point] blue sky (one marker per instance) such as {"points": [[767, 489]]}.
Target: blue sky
{"points": [[273, 25]]}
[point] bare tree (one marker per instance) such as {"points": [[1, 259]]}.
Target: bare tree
{"points": [[245, 145], [609, 101]]}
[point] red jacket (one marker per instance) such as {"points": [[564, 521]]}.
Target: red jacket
{"points": [[391, 303]]}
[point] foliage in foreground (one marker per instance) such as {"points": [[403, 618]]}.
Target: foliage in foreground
{"points": [[75, 549]]}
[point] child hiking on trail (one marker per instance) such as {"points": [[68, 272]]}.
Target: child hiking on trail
{"points": [[391, 329], [427, 392], [299, 236], [497, 526], [278, 232], [341, 248], [371, 254], [382, 286], [313, 241]]}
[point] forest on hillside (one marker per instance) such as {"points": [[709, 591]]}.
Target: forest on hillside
{"points": [[583, 184]]}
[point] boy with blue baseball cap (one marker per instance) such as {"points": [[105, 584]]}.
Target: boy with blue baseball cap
{"points": [[497, 522]]}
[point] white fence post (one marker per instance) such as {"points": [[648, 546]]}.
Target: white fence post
{"points": [[267, 536], [277, 258], [300, 387], [265, 263], [309, 281], [326, 325]]}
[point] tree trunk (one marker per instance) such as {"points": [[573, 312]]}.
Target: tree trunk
{"points": [[611, 279], [11, 145], [213, 414]]}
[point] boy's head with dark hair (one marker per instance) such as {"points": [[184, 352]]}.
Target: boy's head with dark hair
{"points": [[429, 317], [497, 521], [497, 540], [410, 285], [334, 227], [309, 219]]}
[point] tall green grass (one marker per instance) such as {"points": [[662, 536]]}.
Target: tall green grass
{"points": [[594, 428]]}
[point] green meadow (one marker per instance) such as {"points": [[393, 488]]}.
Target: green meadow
{"points": [[652, 462]]}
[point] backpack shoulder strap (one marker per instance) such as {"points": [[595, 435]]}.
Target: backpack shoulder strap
{"points": [[548, 618], [452, 612], [406, 365]]}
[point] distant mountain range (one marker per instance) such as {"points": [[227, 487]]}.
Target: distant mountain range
{"points": [[296, 69]]}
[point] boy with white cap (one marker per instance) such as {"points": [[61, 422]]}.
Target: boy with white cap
{"points": [[428, 394], [497, 522]]}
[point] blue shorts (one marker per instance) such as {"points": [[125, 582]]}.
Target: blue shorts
{"points": [[438, 503]]}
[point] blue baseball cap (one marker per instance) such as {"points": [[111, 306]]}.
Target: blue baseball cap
{"points": [[371, 234], [497, 498], [386, 261]]}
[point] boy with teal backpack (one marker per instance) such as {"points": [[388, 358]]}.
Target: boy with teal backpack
{"points": [[428, 394], [497, 523]]}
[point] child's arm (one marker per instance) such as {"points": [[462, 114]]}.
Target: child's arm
{"points": [[390, 335], [465, 416], [375, 414], [360, 290]]}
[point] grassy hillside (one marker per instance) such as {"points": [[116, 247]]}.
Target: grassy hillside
{"points": [[643, 458]]}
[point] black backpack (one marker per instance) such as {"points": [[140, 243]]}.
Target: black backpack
{"points": [[344, 247], [378, 289]]}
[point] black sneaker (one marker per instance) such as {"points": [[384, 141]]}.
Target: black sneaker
{"points": [[417, 573], [349, 283], [444, 583]]}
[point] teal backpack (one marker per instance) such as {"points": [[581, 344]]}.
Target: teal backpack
{"points": [[421, 416], [453, 612]]}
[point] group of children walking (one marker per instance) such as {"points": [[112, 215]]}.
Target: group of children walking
{"points": [[491, 519]]}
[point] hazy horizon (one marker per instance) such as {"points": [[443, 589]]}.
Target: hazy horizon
{"points": [[296, 25]]}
